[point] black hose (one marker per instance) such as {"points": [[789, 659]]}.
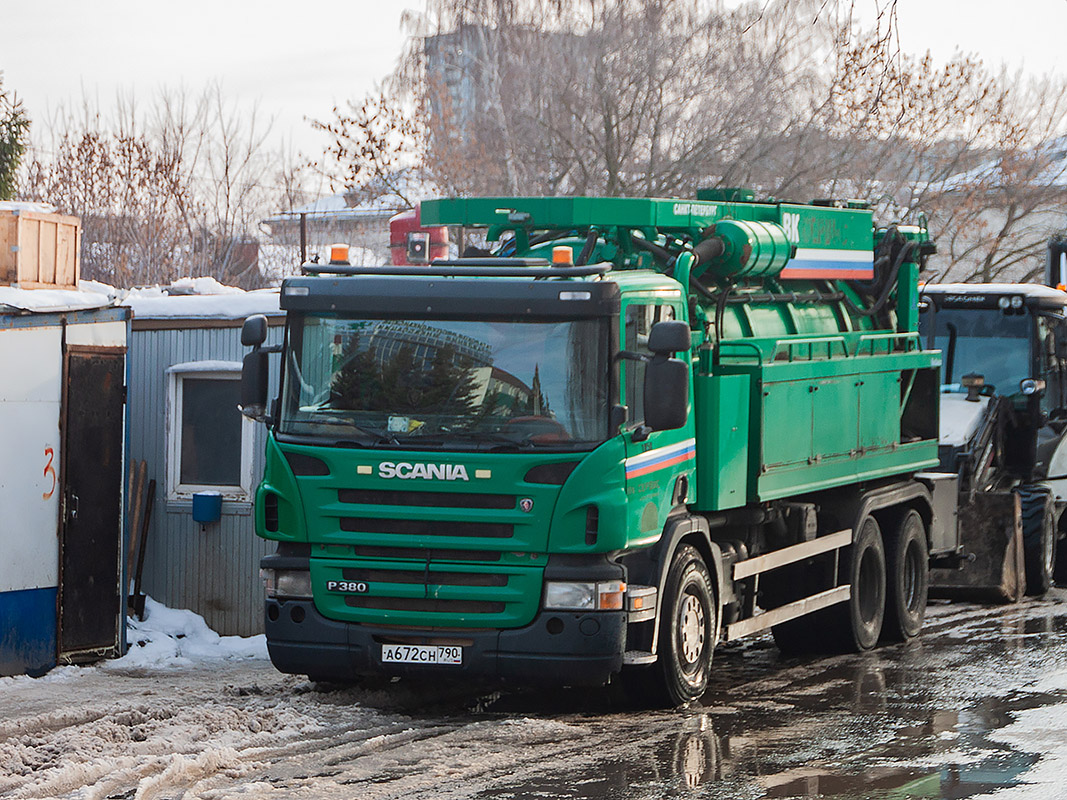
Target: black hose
{"points": [[587, 250], [702, 290], [720, 314], [665, 255], [888, 286]]}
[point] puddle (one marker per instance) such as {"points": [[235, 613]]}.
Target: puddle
{"points": [[851, 732]]}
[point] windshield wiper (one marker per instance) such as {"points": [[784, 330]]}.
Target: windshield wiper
{"points": [[375, 435], [498, 440]]}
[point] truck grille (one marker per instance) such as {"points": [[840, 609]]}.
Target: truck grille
{"points": [[394, 497], [427, 594], [426, 527], [425, 577], [426, 554], [426, 606], [430, 555]]}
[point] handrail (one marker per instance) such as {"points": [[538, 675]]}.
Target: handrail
{"points": [[759, 353], [810, 342], [910, 338]]}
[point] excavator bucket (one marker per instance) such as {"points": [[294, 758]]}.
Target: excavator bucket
{"points": [[991, 535]]}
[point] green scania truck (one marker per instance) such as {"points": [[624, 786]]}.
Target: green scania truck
{"points": [[619, 433]]}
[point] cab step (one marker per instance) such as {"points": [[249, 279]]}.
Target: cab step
{"points": [[633, 658]]}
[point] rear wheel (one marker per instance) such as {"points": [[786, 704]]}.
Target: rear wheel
{"points": [[689, 623], [908, 578], [1039, 536], [859, 621]]}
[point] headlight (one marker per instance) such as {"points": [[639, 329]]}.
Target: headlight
{"points": [[286, 582], [582, 596]]}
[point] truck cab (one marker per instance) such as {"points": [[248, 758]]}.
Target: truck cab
{"points": [[482, 438]]}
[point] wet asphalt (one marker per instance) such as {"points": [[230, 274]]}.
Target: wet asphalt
{"points": [[926, 719], [976, 707]]}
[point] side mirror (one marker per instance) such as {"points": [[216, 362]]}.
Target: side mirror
{"points": [[254, 331], [666, 390], [1029, 386], [669, 337], [254, 383]]}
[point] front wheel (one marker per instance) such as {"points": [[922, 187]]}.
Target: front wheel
{"points": [[1039, 536], [688, 626]]}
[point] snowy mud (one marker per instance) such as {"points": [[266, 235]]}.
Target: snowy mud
{"points": [[978, 707]]}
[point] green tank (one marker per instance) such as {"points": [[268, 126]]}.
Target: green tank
{"points": [[818, 362]]}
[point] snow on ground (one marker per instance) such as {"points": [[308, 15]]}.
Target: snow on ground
{"points": [[1039, 730], [176, 637], [189, 714]]}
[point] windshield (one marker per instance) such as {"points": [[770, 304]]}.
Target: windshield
{"points": [[988, 342], [473, 384]]}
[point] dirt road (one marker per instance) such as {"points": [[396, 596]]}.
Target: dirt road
{"points": [[979, 705]]}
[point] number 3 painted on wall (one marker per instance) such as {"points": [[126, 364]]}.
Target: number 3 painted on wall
{"points": [[49, 471]]}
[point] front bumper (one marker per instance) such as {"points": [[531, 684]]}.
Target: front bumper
{"points": [[564, 648]]}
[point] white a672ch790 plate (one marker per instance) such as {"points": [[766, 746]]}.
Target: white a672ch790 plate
{"points": [[422, 654]]}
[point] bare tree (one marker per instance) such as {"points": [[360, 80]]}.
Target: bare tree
{"points": [[176, 188], [661, 97]]}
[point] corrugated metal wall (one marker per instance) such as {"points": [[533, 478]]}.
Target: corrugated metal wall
{"points": [[214, 573]]}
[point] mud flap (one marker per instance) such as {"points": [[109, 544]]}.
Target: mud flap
{"points": [[991, 535]]}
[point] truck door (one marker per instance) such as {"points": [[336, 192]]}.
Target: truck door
{"points": [[659, 465]]}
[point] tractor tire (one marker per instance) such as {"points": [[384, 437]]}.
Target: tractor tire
{"points": [[1039, 536], [907, 578], [688, 627], [857, 624]]}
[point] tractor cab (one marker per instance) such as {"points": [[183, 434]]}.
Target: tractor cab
{"points": [[1003, 406]]}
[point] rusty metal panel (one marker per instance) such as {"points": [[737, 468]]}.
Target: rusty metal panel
{"points": [[991, 534], [91, 518]]}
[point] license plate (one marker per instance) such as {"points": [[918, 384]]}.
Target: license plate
{"points": [[422, 654]]}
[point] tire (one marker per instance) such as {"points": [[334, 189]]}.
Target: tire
{"points": [[858, 623], [688, 627], [907, 578], [1039, 536]]}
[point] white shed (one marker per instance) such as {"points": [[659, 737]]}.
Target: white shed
{"points": [[62, 462]]}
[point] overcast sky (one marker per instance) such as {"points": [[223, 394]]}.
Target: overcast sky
{"points": [[298, 60]]}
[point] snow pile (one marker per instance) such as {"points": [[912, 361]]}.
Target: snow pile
{"points": [[184, 300], [43, 301], [27, 205], [205, 285], [176, 637]]}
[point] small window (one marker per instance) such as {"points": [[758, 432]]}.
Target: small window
{"points": [[209, 441], [639, 321]]}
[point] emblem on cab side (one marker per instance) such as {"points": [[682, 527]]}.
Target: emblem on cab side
{"points": [[526, 504]]}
